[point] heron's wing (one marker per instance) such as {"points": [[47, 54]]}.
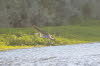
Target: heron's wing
{"points": [[37, 28]]}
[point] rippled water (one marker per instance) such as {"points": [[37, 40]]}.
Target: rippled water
{"points": [[69, 55]]}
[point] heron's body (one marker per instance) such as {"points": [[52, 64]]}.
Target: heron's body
{"points": [[44, 34]]}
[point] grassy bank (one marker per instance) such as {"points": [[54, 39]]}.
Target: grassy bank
{"points": [[14, 38], [77, 32]]}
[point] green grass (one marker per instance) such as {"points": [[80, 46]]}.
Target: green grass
{"points": [[77, 32], [14, 38], [3, 48]]}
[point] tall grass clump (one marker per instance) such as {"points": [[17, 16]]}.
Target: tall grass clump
{"points": [[33, 40]]}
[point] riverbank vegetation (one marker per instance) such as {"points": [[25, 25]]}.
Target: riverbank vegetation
{"points": [[13, 38]]}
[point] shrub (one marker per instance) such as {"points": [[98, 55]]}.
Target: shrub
{"points": [[22, 40], [2, 43]]}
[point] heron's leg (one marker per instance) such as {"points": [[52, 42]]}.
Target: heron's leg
{"points": [[40, 35]]}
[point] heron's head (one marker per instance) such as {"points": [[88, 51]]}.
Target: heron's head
{"points": [[50, 37]]}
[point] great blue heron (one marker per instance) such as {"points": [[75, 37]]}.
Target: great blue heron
{"points": [[43, 34]]}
